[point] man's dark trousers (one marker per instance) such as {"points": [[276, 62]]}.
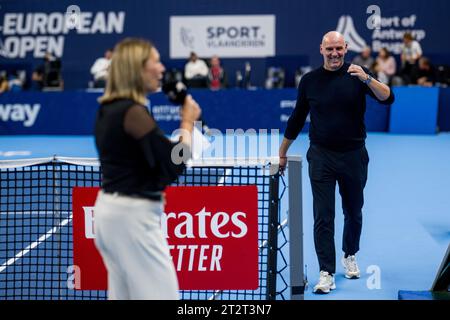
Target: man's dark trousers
{"points": [[349, 170]]}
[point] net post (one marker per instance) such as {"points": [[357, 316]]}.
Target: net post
{"points": [[56, 218], [297, 278], [273, 237]]}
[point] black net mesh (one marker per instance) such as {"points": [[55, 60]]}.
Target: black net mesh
{"points": [[36, 249]]}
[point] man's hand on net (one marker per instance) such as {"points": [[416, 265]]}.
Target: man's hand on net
{"points": [[283, 163]]}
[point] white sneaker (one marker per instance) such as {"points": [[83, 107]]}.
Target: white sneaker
{"points": [[351, 267], [325, 284]]}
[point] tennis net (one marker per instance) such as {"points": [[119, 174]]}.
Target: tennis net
{"points": [[36, 244]]}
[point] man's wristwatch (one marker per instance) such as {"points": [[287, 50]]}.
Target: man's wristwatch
{"points": [[369, 78]]}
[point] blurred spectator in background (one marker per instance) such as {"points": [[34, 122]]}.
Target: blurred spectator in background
{"points": [[99, 69], [275, 78], [426, 74], [385, 66], [411, 53], [37, 78], [364, 59], [4, 86], [217, 76], [47, 74], [15, 82], [196, 72]]}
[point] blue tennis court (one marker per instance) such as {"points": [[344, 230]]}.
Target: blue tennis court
{"points": [[406, 228]]}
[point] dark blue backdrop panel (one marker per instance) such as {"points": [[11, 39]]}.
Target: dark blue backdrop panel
{"points": [[57, 112], [415, 110], [244, 109], [73, 112], [444, 109], [377, 116], [300, 25]]}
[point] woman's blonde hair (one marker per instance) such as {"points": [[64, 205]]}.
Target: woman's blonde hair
{"points": [[125, 72]]}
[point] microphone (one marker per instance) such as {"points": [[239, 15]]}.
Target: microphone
{"points": [[176, 92]]}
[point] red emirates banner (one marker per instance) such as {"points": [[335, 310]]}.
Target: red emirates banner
{"points": [[212, 234], [89, 264]]}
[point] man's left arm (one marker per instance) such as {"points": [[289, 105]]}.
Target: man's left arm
{"points": [[381, 91]]}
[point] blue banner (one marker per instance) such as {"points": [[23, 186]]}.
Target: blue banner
{"points": [[444, 110], [415, 110], [73, 112], [58, 113], [30, 28]]}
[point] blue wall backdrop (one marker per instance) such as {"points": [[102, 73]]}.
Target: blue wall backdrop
{"points": [[73, 112], [299, 28]]}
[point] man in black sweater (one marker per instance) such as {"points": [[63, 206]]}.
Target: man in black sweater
{"points": [[335, 97]]}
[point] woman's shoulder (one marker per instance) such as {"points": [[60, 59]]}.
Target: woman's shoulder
{"points": [[124, 101], [123, 104]]}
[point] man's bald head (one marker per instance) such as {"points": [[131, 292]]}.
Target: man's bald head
{"points": [[333, 49], [333, 36]]}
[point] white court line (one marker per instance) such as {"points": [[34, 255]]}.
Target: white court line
{"points": [[34, 244]]}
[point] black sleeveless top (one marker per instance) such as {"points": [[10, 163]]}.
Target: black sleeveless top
{"points": [[136, 167]]}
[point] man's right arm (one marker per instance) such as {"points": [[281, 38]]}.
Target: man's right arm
{"points": [[285, 144], [295, 124]]}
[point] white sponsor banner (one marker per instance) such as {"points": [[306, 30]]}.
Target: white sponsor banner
{"points": [[226, 36]]}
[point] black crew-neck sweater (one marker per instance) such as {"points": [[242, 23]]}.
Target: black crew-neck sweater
{"points": [[336, 102]]}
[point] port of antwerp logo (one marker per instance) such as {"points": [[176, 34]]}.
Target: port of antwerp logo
{"points": [[347, 29]]}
